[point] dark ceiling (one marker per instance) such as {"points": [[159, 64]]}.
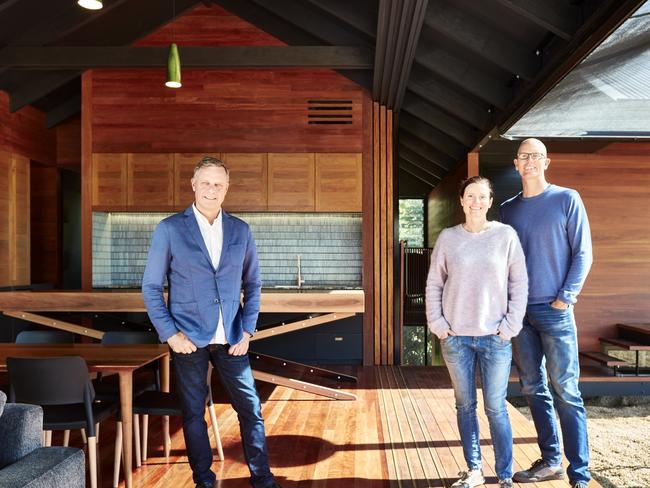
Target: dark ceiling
{"points": [[456, 72]]}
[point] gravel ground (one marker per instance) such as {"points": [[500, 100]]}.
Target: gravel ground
{"points": [[619, 438]]}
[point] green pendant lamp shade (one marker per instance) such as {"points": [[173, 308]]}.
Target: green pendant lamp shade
{"points": [[173, 68], [90, 4]]}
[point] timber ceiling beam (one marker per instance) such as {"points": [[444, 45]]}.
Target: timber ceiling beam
{"points": [[437, 138], [426, 150], [436, 117], [417, 173], [553, 15], [473, 34], [351, 13], [80, 58], [439, 94], [462, 73], [398, 30], [62, 112], [421, 162], [307, 18], [42, 85]]}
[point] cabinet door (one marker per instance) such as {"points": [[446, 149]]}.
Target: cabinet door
{"points": [[150, 181], [291, 182], [248, 182], [109, 179], [338, 182], [184, 164]]}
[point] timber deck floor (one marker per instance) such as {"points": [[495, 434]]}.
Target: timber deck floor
{"points": [[401, 432]]}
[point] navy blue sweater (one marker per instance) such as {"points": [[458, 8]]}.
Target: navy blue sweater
{"points": [[554, 232]]}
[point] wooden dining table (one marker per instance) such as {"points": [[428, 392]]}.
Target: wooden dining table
{"points": [[120, 359]]}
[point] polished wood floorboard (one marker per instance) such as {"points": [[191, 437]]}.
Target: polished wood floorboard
{"points": [[401, 432]]}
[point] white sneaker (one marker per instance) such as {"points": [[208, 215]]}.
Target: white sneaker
{"points": [[469, 479]]}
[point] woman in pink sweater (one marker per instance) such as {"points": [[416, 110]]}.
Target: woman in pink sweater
{"points": [[476, 299]]}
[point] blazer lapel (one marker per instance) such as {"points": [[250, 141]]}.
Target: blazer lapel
{"points": [[195, 232], [226, 222]]}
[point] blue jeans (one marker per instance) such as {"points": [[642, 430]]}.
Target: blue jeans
{"points": [[237, 378], [493, 355], [547, 347]]}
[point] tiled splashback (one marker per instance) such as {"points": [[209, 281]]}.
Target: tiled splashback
{"points": [[329, 246]]}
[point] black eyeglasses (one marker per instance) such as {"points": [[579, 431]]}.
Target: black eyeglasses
{"points": [[533, 156]]}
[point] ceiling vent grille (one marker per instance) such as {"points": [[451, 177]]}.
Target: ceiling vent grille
{"points": [[329, 112]]}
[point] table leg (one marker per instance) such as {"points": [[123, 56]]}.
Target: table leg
{"points": [[126, 404], [164, 385]]}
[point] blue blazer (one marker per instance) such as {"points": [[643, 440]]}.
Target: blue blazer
{"points": [[196, 289]]}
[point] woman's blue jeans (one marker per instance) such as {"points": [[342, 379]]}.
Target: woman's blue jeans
{"points": [[493, 356], [237, 378], [548, 344]]}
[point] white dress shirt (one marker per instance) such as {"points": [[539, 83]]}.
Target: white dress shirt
{"points": [[213, 238]]}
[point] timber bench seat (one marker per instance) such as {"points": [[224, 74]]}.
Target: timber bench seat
{"points": [[639, 333], [624, 344], [604, 359]]}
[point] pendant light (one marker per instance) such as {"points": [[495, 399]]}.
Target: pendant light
{"points": [[90, 4], [173, 59], [173, 68]]}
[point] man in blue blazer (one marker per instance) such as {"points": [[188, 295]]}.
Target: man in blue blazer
{"points": [[207, 257]]}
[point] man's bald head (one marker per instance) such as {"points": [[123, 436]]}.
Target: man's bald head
{"points": [[532, 145]]}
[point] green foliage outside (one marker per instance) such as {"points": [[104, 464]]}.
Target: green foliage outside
{"points": [[411, 222]]}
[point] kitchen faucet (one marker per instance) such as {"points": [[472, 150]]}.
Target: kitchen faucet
{"points": [[300, 278]]}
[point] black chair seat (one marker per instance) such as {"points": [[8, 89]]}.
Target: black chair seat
{"points": [[108, 389], [69, 417], [157, 403]]}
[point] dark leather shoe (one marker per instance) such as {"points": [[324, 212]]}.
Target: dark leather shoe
{"points": [[205, 484]]}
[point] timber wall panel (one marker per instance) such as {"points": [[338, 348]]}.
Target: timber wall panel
{"points": [[614, 188], [248, 190], [338, 182], [150, 180], [68, 144], [613, 184], [45, 221], [291, 181], [109, 179], [443, 204]]}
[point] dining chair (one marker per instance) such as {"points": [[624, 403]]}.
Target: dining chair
{"points": [[62, 387], [152, 401], [49, 337]]}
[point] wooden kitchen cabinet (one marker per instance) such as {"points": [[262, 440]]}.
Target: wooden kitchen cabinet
{"points": [[150, 180], [291, 182], [109, 173], [248, 182], [338, 182]]}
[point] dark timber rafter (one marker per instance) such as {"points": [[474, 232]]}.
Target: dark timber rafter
{"points": [[421, 162], [398, 29], [483, 40], [553, 15], [75, 58]]}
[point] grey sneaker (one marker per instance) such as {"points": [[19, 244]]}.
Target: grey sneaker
{"points": [[469, 479], [506, 483], [539, 471], [579, 484]]}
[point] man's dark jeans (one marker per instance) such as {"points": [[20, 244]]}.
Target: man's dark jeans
{"points": [[237, 378]]}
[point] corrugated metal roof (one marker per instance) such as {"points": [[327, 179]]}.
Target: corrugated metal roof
{"points": [[608, 95]]}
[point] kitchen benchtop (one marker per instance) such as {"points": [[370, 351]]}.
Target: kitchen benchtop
{"points": [[273, 300]]}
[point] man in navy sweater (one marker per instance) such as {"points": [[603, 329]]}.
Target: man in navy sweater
{"points": [[552, 225]]}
